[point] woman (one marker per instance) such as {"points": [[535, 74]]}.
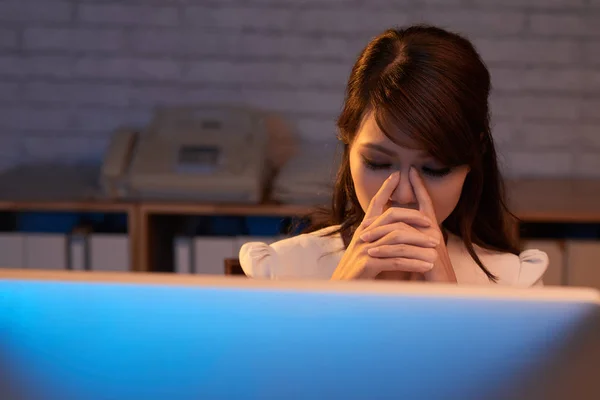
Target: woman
{"points": [[418, 195]]}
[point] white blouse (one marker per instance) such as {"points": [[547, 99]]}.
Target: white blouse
{"points": [[314, 256]]}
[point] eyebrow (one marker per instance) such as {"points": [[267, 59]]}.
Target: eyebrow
{"points": [[391, 153], [380, 148]]}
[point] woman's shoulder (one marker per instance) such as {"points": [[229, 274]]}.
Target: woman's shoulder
{"points": [[524, 269], [309, 255]]}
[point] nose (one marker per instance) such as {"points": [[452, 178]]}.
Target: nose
{"points": [[404, 195]]}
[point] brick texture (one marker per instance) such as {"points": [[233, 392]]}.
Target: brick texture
{"points": [[535, 4], [587, 165], [70, 39], [11, 150], [589, 137], [547, 163], [574, 24], [35, 11], [591, 54], [8, 38], [128, 15], [68, 148], [9, 91], [71, 72]]}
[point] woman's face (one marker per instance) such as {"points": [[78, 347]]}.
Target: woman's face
{"points": [[373, 157]]}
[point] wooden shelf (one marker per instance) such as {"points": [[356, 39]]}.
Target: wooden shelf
{"points": [[551, 200], [171, 208], [535, 200], [67, 206]]}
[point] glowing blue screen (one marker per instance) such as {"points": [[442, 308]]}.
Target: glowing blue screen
{"points": [[118, 341]]}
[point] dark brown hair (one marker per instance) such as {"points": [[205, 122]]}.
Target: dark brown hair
{"points": [[431, 85]]}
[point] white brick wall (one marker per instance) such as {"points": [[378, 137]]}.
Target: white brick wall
{"points": [[73, 71], [8, 38]]}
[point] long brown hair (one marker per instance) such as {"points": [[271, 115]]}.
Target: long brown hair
{"points": [[431, 85]]}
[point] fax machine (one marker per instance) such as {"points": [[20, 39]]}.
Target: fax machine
{"points": [[209, 154]]}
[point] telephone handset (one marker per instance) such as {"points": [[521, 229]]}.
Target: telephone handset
{"points": [[201, 154], [116, 163]]}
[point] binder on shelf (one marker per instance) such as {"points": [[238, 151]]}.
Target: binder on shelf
{"points": [[210, 254], [184, 255], [46, 251], [78, 252], [108, 252], [12, 250]]}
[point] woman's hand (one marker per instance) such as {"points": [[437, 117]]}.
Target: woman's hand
{"points": [[407, 245], [386, 235]]}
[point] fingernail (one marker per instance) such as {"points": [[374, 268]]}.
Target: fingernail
{"points": [[392, 176], [365, 236], [373, 251], [430, 265], [435, 242]]}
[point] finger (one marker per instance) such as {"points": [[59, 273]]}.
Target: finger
{"points": [[382, 196], [399, 214], [404, 251], [425, 203], [398, 233], [374, 266]]}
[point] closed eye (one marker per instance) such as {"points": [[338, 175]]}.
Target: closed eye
{"points": [[432, 172], [436, 172], [375, 165]]}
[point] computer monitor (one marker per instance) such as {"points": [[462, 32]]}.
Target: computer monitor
{"points": [[94, 336]]}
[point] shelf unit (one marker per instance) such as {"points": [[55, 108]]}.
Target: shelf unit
{"points": [[532, 201], [152, 234]]}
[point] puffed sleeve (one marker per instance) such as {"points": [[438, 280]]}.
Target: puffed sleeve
{"points": [[533, 265], [310, 256], [257, 258]]}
